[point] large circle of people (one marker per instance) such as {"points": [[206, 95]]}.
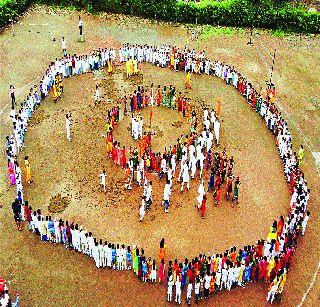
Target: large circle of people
{"points": [[268, 260]]}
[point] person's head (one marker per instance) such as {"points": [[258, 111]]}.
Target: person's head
{"points": [[62, 38]]}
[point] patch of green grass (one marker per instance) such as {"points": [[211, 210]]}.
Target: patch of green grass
{"points": [[208, 31], [280, 33]]}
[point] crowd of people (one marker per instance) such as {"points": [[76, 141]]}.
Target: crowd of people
{"points": [[5, 299], [192, 152], [20, 115], [269, 260]]}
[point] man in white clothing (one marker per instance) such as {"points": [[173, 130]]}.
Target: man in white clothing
{"points": [[305, 222], [217, 130], [166, 196], [178, 290], [185, 176], [64, 46], [102, 177], [142, 210]]}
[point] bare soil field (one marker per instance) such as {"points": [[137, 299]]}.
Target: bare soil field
{"points": [[46, 273]]}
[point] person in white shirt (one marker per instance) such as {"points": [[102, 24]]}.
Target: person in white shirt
{"points": [[133, 125], [64, 46], [201, 193], [185, 176], [189, 292], [80, 25], [102, 177], [173, 165], [149, 195], [201, 159], [193, 166], [97, 94], [207, 281], [197, 289], [101, 253], [305, 222], [272, 290], [140, 171], [13, 97], [109, 256], [178, 290], [217, 131], [170, 286], [95, 254], [166, 196], [68, 126], [224, 278], [139, 127], [142, 210]]}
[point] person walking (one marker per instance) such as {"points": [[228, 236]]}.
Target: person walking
{"points": [[13, 97], [80, 25], [68, 126], [16, 208]]}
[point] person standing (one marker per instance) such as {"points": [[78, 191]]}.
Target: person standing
{"points": [[102, 177], [178, 290], [13, 97], [236, 191], [64, 47], [161, 271], [229, 187], [207, 281], [305, 222], [97, 94], [166, 196], [16, 208], [217, 131], [185, 176], [170, 286], [189, 292], [28, 171], [301, 156], [80, 25], [162, 250], [68, 126], [187, 81], [203, 206], [219, 107], [142, 210], [272, 290], [201, 193]]}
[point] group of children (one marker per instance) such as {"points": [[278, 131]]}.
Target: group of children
{"points": [[268, 260]]}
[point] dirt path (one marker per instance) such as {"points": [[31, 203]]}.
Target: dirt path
{"points": [[40, 274]]}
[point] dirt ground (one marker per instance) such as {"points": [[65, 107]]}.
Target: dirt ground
{"points": [[48, 273]]}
